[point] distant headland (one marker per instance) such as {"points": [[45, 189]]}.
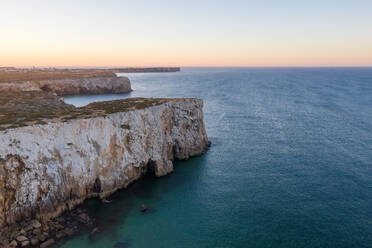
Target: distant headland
{"points": [[71, 81], [146, 69]]}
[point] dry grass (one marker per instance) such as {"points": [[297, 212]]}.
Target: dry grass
{"points": [[23, 108], [37, 74], [18, 109], [21, 75]]}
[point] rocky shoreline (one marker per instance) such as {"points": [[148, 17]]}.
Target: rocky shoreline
{"points": [[35, 233]]}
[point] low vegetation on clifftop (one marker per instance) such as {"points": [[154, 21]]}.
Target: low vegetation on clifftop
{"points": [[12, 74], [18, 109]]}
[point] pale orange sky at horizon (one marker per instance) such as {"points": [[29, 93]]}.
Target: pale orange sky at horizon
{"points": [[208, 33]]}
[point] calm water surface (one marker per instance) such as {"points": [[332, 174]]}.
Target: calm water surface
{"points": [[290, 164]]}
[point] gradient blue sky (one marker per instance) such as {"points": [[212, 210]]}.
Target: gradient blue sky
{"points": [[186, 33]]}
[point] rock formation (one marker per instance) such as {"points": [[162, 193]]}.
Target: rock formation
{"points": [[84, 86], [75, 86], [51, 167]]}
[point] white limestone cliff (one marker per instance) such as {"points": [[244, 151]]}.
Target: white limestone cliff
{"points": [[47, 169]]}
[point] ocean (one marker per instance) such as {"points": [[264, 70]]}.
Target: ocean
{"points": [[290, 164]]}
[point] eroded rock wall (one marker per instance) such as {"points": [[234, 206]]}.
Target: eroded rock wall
{"points": [[81, 86], [46, 169], [94, 85]]}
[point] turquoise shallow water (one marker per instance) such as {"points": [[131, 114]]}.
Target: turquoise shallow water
{"points": [[290, 164]]}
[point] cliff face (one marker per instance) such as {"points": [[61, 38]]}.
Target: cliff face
{"points": [[19, 87], [93, 85], [81, 86], [46, 169]]}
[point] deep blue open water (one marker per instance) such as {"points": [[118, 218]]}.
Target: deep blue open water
{"points": [[290, 164]]}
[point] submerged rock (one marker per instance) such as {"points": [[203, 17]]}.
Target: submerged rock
{"points": [[144, 208], [104, 200], [95, 230]]}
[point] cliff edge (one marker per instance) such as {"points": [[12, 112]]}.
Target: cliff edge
{"points": [[75, 86], [64, 82], [52, 164]]}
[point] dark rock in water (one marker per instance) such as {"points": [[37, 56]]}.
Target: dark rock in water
{"points": [[104, 200], [94, 231], [144, 208], [121, 245]]}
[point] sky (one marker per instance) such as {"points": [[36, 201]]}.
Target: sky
{"points": [[186, 33]]}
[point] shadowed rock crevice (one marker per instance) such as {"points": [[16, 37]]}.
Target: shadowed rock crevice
{"points": [[150, 168], [97, 186]]}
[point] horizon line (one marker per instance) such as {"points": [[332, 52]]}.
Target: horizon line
{"points": [[190, 66]]}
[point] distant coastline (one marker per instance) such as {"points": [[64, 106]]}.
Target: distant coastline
{"points": [[146, 69], [71, 81]]}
